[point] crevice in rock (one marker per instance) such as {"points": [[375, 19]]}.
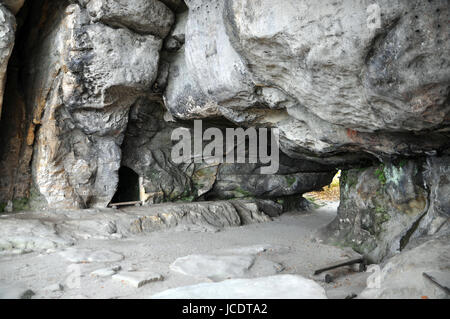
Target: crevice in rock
{"points": [[409, 233], [405, 239], [16, 128]]}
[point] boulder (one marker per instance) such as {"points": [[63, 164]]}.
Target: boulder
{"points": [[402, 276], [335, 78], [383, 208], [273, 287]]}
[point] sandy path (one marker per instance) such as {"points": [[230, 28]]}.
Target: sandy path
{"points": [[290, 237]]}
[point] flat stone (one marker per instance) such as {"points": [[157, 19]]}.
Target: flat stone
{"points": [[273, 287], [216, 268], [26, 235], [106, 272], [13, 5], [442, 278], [137, 279]]}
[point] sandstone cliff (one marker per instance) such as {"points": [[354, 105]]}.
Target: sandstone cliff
{"points": [[95, 85]]}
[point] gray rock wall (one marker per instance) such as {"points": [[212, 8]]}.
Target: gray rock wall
{"points": [[79, 76], [329, 77], [147, 150], [384, 208]]}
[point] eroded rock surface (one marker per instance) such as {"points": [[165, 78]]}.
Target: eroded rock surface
{"points": [[147, 151], [216, 268], [402, 276], [96, 85], [333, 76], [142, 16], [41, 231], [77, 256], [137, 279], [383, 208]]}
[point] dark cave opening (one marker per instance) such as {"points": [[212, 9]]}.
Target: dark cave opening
{"points": [[128, 188]]}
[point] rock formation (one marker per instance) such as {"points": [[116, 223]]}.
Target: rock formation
{"points": [[96, 85], [147, 151], [332, 81], [383, 208]]}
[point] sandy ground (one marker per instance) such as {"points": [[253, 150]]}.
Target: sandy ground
{"points": [[290, 235]]}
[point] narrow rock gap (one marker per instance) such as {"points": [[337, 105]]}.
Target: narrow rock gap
{"points": [[16, 131], [128, 188]]}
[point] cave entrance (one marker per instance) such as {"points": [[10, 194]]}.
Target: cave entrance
{"points": [[329, 193], [128, 189]]}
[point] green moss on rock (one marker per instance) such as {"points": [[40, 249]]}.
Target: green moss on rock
{"points": [[21, 204], [290, 180], [242, 192], [380, 174]]}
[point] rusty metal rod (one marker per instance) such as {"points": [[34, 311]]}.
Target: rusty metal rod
{"points": [[125, 203], [341, 264], [434, 281]]}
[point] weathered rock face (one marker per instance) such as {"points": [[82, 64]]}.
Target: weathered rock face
{"points": [[82, 78], [95, 89], [141, 16], [437, 180], [99, 74], [402, 276], [333, 76], [7, 29], [345, 82], [383, 208], [147, 151]]}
